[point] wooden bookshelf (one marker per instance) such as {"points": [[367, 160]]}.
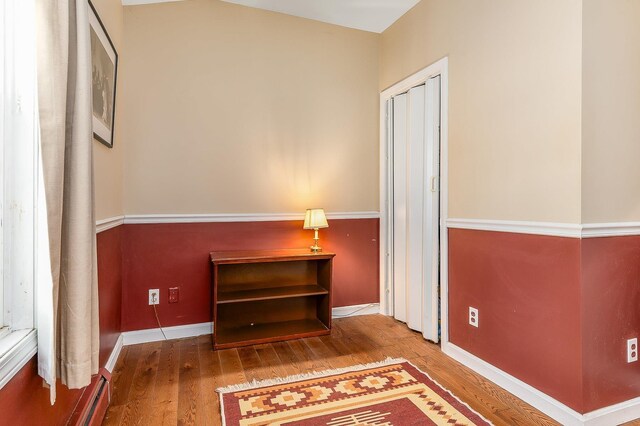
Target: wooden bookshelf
{"points": [[268, 295]]}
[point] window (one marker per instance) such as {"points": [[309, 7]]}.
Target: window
{"points": [[18, 185]]}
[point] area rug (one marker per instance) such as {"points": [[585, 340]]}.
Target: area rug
{"points": [[391, 392]]}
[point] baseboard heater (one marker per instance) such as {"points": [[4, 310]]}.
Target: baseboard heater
{"points": [[94, 402]]}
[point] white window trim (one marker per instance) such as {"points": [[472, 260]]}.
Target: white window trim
{"points": [[3, 330], [17, 349], [19, 168]]}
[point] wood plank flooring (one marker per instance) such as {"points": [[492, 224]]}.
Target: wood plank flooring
{"points": [[174, 382]]}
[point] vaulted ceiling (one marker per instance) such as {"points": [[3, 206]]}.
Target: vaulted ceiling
{"points": [[367, 15]]}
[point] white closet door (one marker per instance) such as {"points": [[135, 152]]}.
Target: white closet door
{"points": [[431, 198], [400, 134], [416, 238], [415, 207]]}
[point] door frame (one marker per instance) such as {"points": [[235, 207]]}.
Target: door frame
{"points": [[441, 68]]}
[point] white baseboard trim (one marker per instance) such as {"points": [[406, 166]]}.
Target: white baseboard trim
{"points": [[612, 415], [111, 222], [355, 310], [193, 330], [115, 353], [570, 230], [176, 332]]}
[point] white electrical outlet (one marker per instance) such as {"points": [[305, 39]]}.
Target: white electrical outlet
{"points": [[473, 317], [632, 350], [154, 296]]}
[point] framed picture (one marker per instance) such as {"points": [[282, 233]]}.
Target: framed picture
{"points": [[104, 71]]}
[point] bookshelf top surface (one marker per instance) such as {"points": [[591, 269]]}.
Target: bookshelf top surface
{"points": [[221, 257]]}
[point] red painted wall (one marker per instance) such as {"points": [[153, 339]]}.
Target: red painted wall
{"points": [[554, 312], [527, 290], [168, 255], [611, 315], [109, 289], [24, 400]]}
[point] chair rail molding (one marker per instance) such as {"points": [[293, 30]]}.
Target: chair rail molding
{"points": [[112, 222], [569, 230]]}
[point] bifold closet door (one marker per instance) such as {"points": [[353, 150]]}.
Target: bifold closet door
{"points": [[400, 134], [415, 207], [416, 195], [408, 202]]}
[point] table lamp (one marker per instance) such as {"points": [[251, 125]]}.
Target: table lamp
{"points": [[315, 219]]}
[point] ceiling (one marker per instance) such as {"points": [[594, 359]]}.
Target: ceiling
{"points": [[368, 15]]}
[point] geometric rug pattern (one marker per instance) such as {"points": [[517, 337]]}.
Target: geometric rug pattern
{"points": [[392, 392]]}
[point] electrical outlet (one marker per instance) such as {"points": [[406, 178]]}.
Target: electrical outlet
{"points": [[174, 294], [632, 350], [474, 319], [154, 296]]}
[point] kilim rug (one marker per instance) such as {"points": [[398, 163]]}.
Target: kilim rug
{"points": [[391, 392]]}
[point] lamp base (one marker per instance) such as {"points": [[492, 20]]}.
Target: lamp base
{"points": [[316, 248]]}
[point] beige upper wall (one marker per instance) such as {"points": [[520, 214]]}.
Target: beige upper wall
{"points": [[611, 111], [108, 163], [238, 110], [514, 101]]}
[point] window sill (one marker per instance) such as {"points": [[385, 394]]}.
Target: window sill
{"points": [[16, 349]]}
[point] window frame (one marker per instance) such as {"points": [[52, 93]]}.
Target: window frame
{"points": [[19, 162]]}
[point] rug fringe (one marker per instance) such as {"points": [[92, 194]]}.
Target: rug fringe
{"points": [[304, 376]]}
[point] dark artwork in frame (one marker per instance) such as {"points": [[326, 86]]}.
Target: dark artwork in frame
{"points": [[104, 72]]}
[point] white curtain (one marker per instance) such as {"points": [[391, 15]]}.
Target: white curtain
{"points": [[64, 95], [44, 291]]}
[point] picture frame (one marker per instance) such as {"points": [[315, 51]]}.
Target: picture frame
{"points": [[104, 75]]}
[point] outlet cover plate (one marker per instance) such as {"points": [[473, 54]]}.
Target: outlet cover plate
{"points": [[632, 350], [154, 292], [474, 319], [174, 294]]}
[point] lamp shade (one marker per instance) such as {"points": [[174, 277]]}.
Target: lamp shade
{"points": [[315, 219]]}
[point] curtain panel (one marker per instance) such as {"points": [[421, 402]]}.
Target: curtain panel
{"points": [[64, 96]]}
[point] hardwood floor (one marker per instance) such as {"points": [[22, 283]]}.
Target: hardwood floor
{"points": [[174, 382]]}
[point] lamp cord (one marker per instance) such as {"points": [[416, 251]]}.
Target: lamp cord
{"points": [[354, 312], [158, 319]]}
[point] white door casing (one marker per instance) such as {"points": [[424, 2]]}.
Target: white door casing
{"points": [[434, 263], [431, 229]]}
